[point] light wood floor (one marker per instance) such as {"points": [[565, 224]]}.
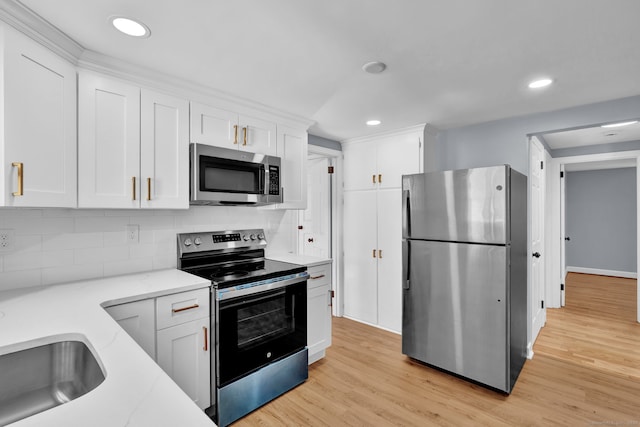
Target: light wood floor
{"points": [[585, 372]]}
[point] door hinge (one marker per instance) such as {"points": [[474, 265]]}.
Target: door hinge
{"points": [[541, 164], [330, 169], [561, 174], [541, 304], [333, 294], [300, 227], [562, 286]]}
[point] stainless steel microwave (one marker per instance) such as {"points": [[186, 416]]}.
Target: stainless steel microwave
{"points": [[222, 176]]}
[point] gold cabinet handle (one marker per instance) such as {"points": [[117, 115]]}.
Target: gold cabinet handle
{"points": [[379, 178], [316, 277], [235, 134], [20, 167], [379, 253], [133, 188], [373, 178], [148, 188], [178, 310], [244, 130], [206, 339], [374, 253]]}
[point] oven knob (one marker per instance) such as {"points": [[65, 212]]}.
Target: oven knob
{"points": [[261, 236], [253, 237], [198, 241], [245, 237], [187, 242], [268, 355]]}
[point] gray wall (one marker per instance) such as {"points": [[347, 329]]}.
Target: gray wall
{"points": [[324, 142], [601, 219], [505, 141]]}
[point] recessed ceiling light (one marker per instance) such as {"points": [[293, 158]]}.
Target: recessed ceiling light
{"points": [[617, 125], [537, 84], [130, 26], [373, 122], [375, 67]]}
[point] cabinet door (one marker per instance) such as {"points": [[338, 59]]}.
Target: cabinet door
{"points": [[360, 170], [138, 320], [257, 136], [319, 321], [390, 259], [213, 126], [398, 155], [39, 125], [184, 354], [360, 260], [164, 151], [108, 143], [292, 149]]}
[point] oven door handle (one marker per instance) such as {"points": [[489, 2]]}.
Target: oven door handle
{"points": [[233, 292]]}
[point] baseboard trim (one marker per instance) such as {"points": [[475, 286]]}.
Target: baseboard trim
{"points": [[371, 324], [601, 272]]}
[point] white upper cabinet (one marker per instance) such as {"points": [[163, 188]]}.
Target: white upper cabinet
{"points": [[221, 128], [38, 139], [133, 146], [164, 147], [292, 150]]}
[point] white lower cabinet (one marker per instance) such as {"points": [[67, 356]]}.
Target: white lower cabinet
{"points": [[175, 331], [319, 299]]}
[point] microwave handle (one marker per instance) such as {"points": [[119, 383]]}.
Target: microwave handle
{"points": [[265, 184]]}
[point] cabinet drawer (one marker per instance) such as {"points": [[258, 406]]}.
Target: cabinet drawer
{"points": [[182, 307], [319, 275]]}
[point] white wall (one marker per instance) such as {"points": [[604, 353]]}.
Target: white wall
{"points": [[62, 245]]}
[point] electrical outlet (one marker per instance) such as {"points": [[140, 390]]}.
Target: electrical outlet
{"points": [[133, 233], [7, 237]]}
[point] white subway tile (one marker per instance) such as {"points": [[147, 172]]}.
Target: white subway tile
{"points": [[71, 241], [57, 258], [161, 262], [129, 266], [101, 255], [25, 244], [22, 261], [115, 238], [20, 279], [70, 273], [104, 224]]}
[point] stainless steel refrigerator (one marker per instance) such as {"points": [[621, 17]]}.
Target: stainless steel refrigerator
{"points": [[464, 250]]}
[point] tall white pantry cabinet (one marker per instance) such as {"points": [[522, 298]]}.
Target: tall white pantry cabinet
{"points": [[373, 169]]}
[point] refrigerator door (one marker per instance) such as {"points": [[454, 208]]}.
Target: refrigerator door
{"points": [[468, 205], [455, 308]]}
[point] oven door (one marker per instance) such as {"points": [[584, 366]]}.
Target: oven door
{"points": [[259, 328]]}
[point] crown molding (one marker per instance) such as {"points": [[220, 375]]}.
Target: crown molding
{"points": [[411, 129]]}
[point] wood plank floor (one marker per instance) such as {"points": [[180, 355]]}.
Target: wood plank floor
{"points": [[585, 371]]}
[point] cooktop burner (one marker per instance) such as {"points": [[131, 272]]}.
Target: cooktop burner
{"points": [[229, 275]]}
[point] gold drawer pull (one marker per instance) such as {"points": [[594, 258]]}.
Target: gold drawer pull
{"points": [[178, 310], [20, 191], [235, 134], [379, 253], [374, 253], [245, 130], [148, 188], [373, 178], [133, 188], [316, 277], [206, 339], [379, 178]]}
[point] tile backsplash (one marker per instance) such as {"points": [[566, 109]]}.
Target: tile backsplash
{"points": [[62, 245]]}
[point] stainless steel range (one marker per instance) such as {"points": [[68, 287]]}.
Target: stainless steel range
{"points": [[258, 315]]}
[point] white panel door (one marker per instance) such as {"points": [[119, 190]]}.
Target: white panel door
{"points": [[398, 155], [39, 125], [390, 259], [138, 319], [537, 185], [213, 126], [360, 169], [108, 143], [258, 136], [316, 219], [164, 151], [360, 256], [292, 150], [183, 353]]}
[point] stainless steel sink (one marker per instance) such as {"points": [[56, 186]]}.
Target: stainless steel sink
{"points": [[40, 378]]}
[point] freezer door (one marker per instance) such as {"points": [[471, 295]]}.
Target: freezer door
{"points": [[454, 313], [468, 205]]}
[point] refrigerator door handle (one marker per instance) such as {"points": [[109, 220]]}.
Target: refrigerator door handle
{"points": [[406, 214], [406, 264]]}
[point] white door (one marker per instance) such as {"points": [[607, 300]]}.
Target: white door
{"points": [[563, 260], [390, 259], [108, 143], [360, 287], [164, 151], [213, 126], [316, 219], [292, 150], [257, 135], [39, 125], [537, 186]]}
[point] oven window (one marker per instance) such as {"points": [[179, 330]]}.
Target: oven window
{"points": [[230, 176], [256, 330]]}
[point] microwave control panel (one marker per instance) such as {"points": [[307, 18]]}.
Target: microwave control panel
{"points": [[274, 180]]}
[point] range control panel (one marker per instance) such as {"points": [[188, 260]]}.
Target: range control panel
{"points": [[220, 240]]}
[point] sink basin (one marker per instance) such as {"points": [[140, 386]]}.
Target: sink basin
{"points": [[40, 378]]}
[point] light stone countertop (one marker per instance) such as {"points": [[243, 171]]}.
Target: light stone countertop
{"points": [[309, 261], [135, 392]]}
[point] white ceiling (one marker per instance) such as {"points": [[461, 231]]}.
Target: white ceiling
{"points": [[450, 62], [592, 136]]}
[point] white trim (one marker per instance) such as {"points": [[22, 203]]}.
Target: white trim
{"points": [[601, 272], [373, 324], [530, 352], [381, 135]]}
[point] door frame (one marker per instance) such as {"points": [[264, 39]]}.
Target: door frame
{"points": [[335, 160], [557, 164]]}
